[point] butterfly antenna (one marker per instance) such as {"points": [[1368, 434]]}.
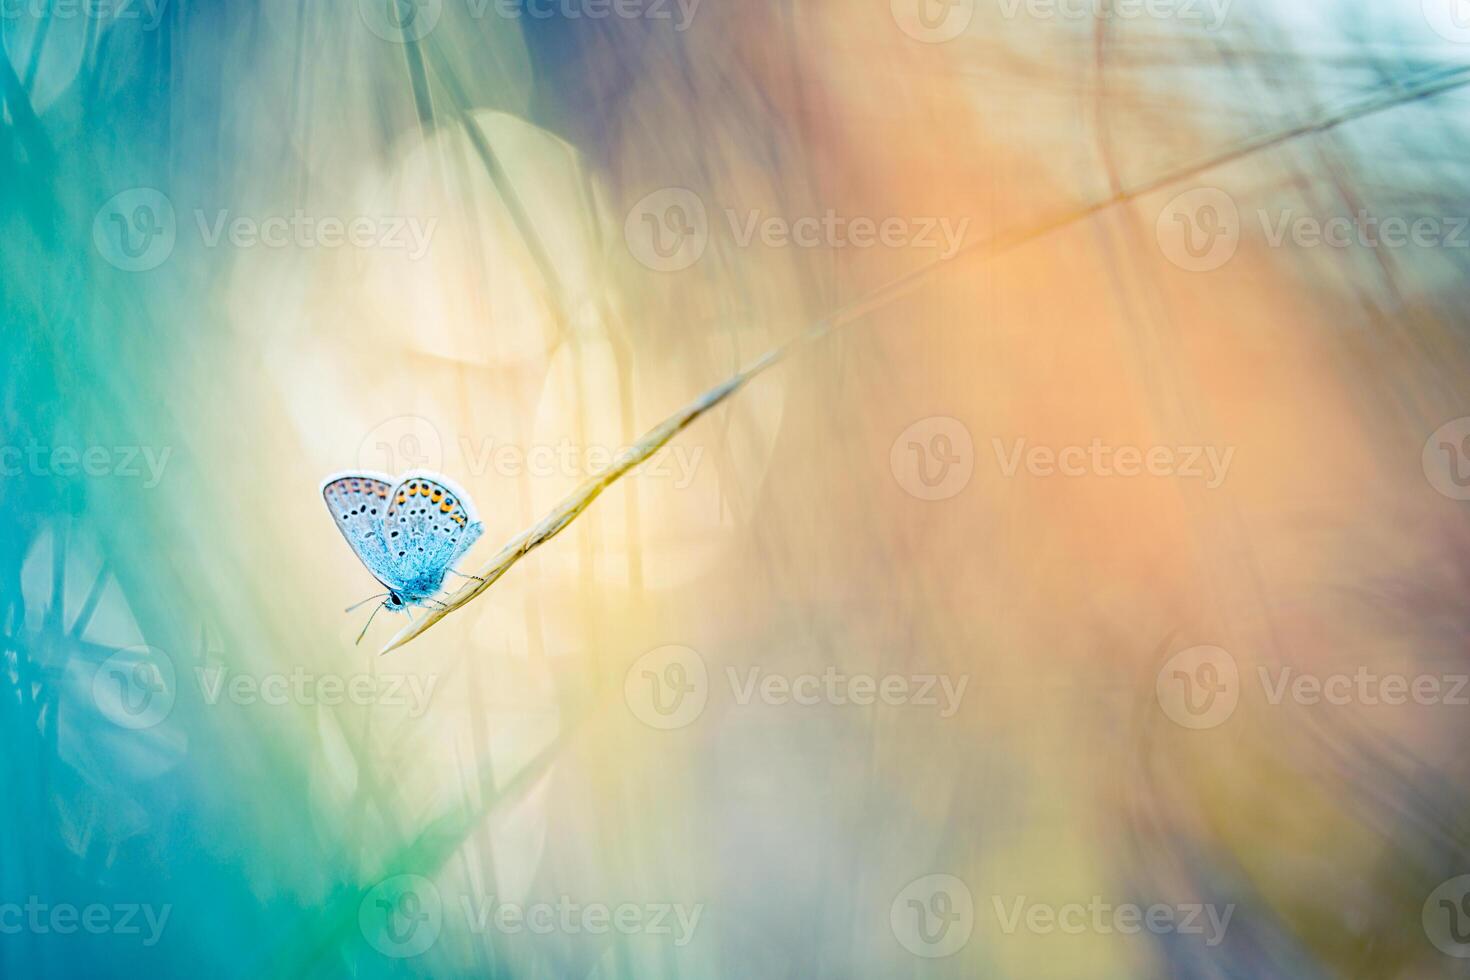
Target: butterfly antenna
{"points": [[358, 605], [367, 624]]}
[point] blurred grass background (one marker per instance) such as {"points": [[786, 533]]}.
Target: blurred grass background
{"points": [[529, 321]]}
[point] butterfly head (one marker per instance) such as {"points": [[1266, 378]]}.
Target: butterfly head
{"points": [[392, 601]]}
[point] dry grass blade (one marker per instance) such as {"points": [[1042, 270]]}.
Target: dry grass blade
{"points": [[581, 498], [1431, 84]]}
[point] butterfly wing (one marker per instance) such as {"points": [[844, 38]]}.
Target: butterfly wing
{"points": [[358, 502], [430, 522]]}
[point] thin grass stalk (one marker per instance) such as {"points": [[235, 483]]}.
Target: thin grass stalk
{"points": [[1431, 84]]}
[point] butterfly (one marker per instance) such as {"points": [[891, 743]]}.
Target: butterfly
{"points": [[408, 532]]}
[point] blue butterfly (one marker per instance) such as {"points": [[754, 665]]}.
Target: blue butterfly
{"points": [[408, 533]]}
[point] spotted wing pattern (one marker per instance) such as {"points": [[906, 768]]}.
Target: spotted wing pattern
{"points": [[359, 502], [429, 523]]}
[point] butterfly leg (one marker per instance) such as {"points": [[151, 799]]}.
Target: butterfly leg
{"points": [[463, 575]]}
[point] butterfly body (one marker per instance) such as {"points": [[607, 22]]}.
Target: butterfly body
{"points": [[407, 532]]}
